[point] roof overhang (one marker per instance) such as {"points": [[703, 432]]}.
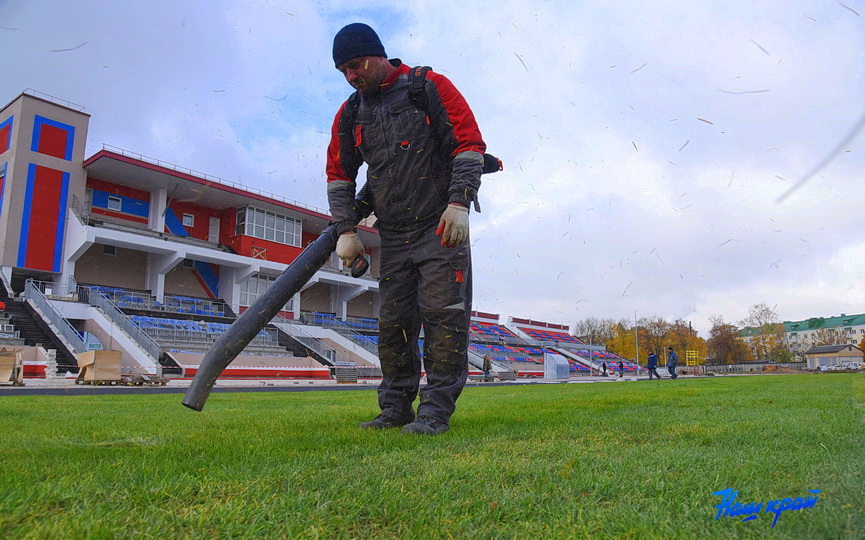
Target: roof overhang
{"points": [[181, 186]]}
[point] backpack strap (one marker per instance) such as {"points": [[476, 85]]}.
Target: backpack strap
{"points": [[349, 115], [351, 106], [416, 82]]}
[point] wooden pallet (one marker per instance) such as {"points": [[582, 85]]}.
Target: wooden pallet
{"points": [[142, 380], [108, 382]]}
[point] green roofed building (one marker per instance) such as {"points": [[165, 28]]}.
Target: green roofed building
{"points": [[841, 330], [801, 336]]}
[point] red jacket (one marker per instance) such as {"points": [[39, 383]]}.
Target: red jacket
{"points": [[418, 161]]}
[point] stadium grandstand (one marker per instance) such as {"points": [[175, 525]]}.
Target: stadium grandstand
{"points": [[557, 338], [116, 250]]}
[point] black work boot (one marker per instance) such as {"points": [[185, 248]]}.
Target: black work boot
{"points": [[383, 422], [424, 425]]}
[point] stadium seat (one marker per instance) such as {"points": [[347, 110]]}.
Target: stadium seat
{"points": [[547, 335]]}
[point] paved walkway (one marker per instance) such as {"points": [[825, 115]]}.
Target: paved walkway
{"points": [[176, 386]]}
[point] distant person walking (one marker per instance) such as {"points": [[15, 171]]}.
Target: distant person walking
{"points": [[488, 366], [621, 369], [672, 360], [604, 369], [652, 365]]}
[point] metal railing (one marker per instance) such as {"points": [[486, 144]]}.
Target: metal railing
{"points": [[6, 285], [80, 211], [265, 338], [365, 320], [549, 344], [67, 332], [211, 178], [73, 286], [756, 367], [503, 340], [186, 304], [53, 99], [477, 360], [342, 328], [147, 343], [348, 332], [44, 287], [368, 372], [142, 300], [307, 340]]}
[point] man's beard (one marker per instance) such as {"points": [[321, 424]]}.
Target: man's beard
{"points": [[369, 84], [364, 87]]}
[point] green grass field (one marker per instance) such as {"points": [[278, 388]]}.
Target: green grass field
{"points": [[632, 460]]}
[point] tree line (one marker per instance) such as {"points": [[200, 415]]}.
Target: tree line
{"points": [[759, 336]]}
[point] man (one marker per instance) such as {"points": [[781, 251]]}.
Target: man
{"points": [[621, 369], [424, 170], [488, 366], [672, 360], [652, 365]]}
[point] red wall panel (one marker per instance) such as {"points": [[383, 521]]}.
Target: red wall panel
{"points": [[41, 227], [244, 245], [202, 218], [52, 141], [5, 137]]}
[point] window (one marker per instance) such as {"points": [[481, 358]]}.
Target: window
{"points": [[256, 286], [188, 263], [268, 226], [114, 203], [188, 220], [109, 250]]}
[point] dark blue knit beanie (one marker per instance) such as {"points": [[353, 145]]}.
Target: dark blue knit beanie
{"points": [[356, 39]]}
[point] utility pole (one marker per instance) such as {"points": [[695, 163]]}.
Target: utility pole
{"points": [[636, 339]]}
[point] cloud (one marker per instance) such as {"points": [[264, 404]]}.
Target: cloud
{"points": [[645, 145]]}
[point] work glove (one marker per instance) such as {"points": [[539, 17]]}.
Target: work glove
{"points": [[453, 225], [348, 246]]}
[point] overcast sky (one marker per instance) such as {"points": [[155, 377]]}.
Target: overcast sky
{"points": [[646, 144]]}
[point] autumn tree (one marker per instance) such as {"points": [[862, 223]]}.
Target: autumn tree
{"points": [[678, 335], [782, 354], [653, 333], [724, 343], [594, 330], [682, 337], [622, 339], [829, 336], [766, 332]]}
